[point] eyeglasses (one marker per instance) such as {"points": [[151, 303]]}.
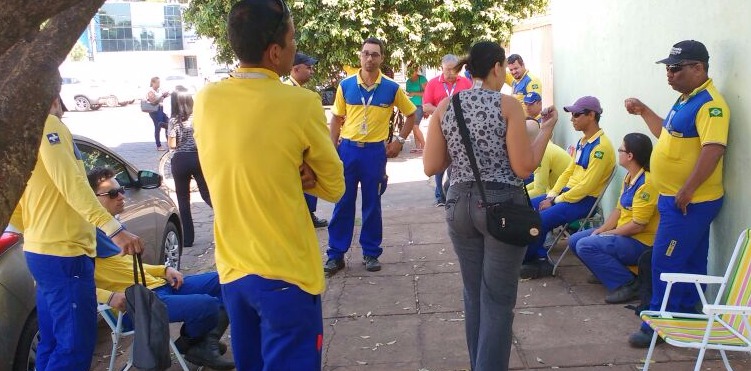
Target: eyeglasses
{"points": [[366, 54], [622, 150], [576, 115], [280, 25], [674, 68], [113, 193]]}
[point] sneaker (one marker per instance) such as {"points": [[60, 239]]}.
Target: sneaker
{"points": [[624, 294], [641, 340], [371, 264], [333, 265], [440, 204], [160, 148], [318, 222], [537, 269]]}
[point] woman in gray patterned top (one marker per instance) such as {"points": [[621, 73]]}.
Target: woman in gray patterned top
{"points": [[490, 268], [185, 164]]}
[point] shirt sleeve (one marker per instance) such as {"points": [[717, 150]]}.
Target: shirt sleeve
{"points": [[601, 161], [16, 219], [62, 162], [562, 180], [158, 271], [645, 203], [534, 86], [509, 79], [340, 105], [402, 102], [321, 155], [429, 96], [172, 128], [542, 177], [712, 123]]}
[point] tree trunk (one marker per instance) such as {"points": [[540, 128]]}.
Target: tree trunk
{"points": [[35, 38]]}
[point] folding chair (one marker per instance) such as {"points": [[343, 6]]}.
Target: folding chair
{"points": [[724, 325], [588, 221], [116, 326]]}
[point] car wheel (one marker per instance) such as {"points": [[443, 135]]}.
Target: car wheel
{"points": [[112, 101], [82, 103], [95, 107], [172, 246], [123, 104], [26, 353]]}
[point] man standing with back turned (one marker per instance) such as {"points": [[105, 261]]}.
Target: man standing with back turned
{"points": [[360, 129], [687, 172], [254, 134]]}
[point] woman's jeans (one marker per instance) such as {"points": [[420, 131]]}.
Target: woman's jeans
{"points": [[490, 272], [160, 119], [185, 166]]}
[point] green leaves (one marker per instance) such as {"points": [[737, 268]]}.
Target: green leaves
{"points": [[413, 30]]}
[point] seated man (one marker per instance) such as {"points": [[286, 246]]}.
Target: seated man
{"points": [[554, 162], [577, 188], [194, 300], [630, 229]]}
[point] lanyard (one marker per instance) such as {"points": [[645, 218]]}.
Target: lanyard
{"points": [[248, 75], [366, 104], [446, 89]]}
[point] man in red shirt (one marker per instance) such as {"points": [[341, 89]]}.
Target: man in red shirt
{"points": [[444, 85]]}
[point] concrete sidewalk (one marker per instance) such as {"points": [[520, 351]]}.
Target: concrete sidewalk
{"points": [[409, 315]]}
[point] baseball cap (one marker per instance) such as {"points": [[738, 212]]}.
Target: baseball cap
{"points": [[686, 50], [584, 103], [532, 97], [307, 60]]}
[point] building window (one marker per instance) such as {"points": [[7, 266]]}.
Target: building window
{"points": [[139, 27]]}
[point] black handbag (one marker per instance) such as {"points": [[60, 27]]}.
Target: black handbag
{"points": [[508, 222], [151, 337], [149, 107]]}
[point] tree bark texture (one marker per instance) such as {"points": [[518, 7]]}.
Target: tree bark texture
{"points": [[35, 38]]}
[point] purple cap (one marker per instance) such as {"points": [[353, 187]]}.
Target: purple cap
{"points": [[584, 103], [686, 50], [532, 97]]}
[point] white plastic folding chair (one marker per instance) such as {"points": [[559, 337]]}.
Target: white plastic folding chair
{"points": [[588, 221], [723, 325], [115, 322]]}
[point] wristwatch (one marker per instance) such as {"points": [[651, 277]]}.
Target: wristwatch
{"points": [[399, 139]]}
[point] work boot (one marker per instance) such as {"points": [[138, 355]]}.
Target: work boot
{"points": [[318, 222], [641, 339], [371, 263], [218, 331], [332, 266], [624, 294], [206, 353], [184, 342]]}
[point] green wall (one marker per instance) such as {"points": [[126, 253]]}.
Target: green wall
{"points": [[608, 49]]}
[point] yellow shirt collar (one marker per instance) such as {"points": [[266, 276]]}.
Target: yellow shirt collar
{"points": [[269, 73], [701, 87], [360, 81], [598, 134], [633, 181]]}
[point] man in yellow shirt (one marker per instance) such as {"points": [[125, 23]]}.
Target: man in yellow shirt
{"points": [[519, 78], [576, 190], [302, 71], [57, 215], [687, 171], [360, 130], [253, 135], [195, 300], [554, 162], [533, 106]]}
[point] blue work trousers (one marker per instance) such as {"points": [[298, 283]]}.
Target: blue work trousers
{"points": [[275, 325], [364, 164], [159, 119], [607, 256], [681, 246], [196, 303], [66, 309], [555, 216], [312, 202]]}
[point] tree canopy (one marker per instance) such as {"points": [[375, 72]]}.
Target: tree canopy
{"points": [[418, 31]]}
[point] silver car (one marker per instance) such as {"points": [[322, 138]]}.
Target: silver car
{"points": [[149, 213]]}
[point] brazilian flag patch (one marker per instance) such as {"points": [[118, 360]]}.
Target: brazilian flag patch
{"points": [[599, 154], [644, 196], [535, 86], [715, 112]]}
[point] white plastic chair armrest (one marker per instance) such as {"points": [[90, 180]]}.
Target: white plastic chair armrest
{"points": [[711, 309], [690, 278]]}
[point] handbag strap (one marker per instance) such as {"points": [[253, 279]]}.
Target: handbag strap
{"points": [[138, 267], [470, 152]]}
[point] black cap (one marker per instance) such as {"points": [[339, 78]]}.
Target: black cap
{"points": [[686, 50], [307, 60]]}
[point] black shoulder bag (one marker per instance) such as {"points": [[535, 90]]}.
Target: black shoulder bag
{"points": [[151, 341], [506, 221]]}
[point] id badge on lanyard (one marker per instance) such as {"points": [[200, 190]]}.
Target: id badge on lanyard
{"points": [[366, 105], [449, 93]]}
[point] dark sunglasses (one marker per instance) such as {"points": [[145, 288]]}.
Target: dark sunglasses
{"points": [[673, 68], [280, 25], [113, 193], [585, 112]]}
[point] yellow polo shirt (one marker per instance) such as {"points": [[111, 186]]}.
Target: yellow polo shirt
{"points": [[638, 203], [554, 163], [587, 175], [253, 133]]}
